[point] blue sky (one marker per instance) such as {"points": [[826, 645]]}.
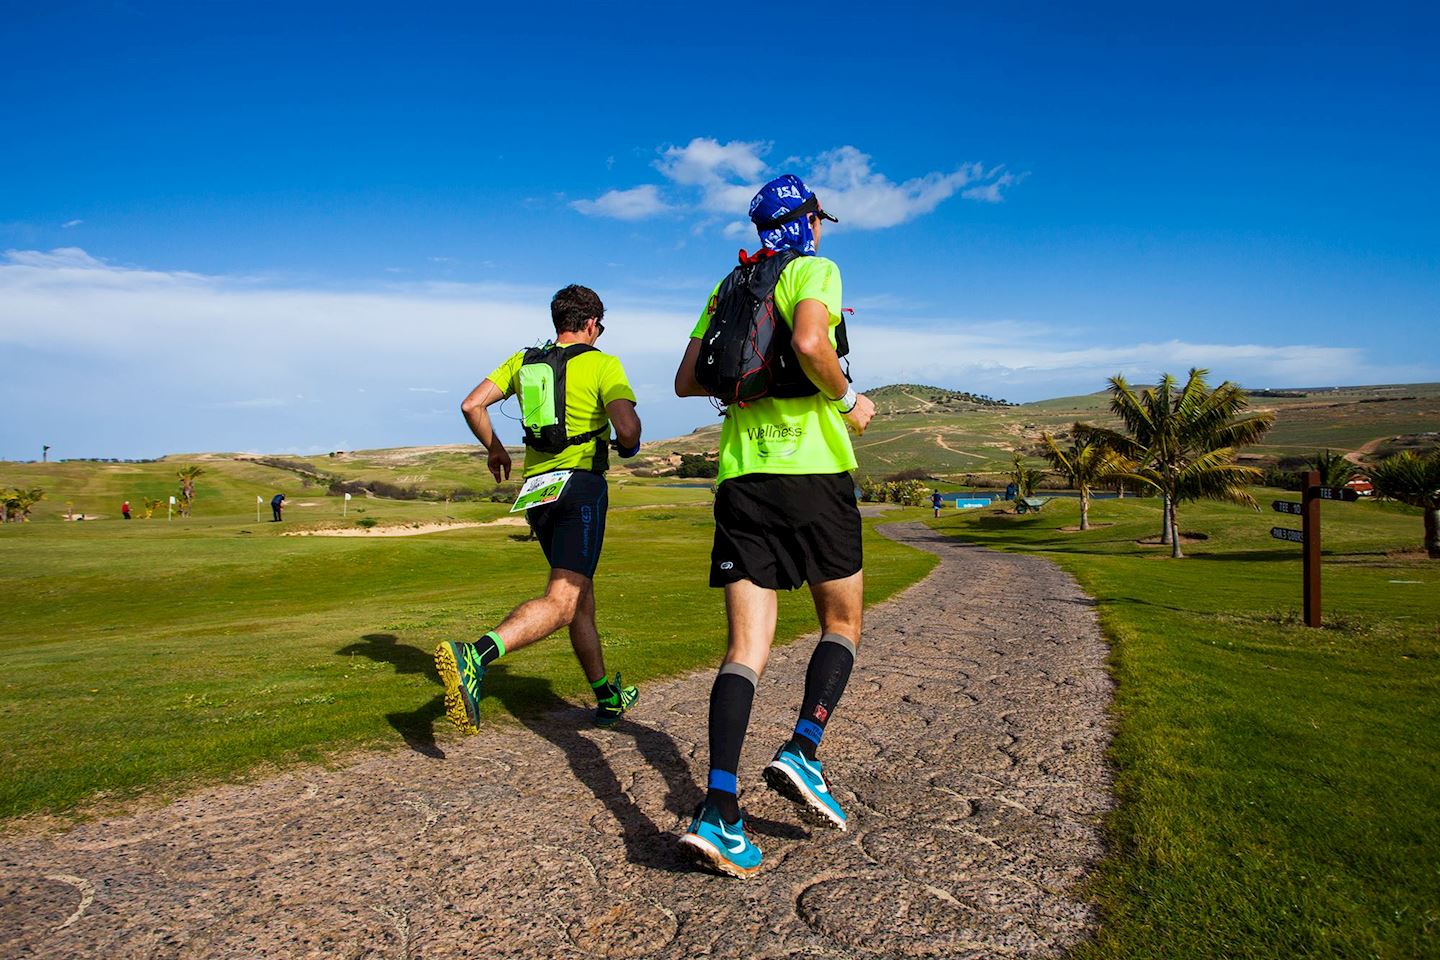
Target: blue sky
{"points": [[315, 226]]}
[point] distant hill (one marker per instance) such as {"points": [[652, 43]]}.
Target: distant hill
{"points": [[903, 398], [949, 434]]}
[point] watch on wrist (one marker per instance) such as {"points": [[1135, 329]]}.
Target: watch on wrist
{"points": [[846, 403]]}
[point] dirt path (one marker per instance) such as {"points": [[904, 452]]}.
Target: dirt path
{"points": [[1358, 456], [940, 442], [968, 752]]}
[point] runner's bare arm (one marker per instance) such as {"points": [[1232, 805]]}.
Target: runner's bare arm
{"points": [[477, 416], [685, 383], [625, 421], [811, 343]]}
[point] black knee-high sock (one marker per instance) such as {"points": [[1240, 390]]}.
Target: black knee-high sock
{"points": [[825, 681], [730, 700]]}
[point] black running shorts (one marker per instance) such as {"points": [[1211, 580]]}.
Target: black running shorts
{"points": [[572, 529], [782, 531]]}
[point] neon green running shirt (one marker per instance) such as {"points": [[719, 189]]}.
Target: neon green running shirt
{"points": [[592, 380], [792, 435]]}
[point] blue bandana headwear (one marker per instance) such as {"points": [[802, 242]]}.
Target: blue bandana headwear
{"points": [[786, 198]]}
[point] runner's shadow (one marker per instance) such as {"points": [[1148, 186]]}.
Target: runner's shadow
{"points": [[416, 726], [533, 701]]}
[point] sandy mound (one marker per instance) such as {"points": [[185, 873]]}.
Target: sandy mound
{"points": [[1184, 538], [409, 530]]}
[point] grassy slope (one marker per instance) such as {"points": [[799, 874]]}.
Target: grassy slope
{"points": [[149, 656], [951, 440], [1277, 784]]}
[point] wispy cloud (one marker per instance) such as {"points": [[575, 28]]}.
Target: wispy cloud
{"points": [[722, 177], [167, 343], [639, 203], [256, 403], [71, 223]]}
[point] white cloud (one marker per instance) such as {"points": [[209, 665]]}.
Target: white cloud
{"points": [[638, 203], [71, 223], [704, 161], [138, 361], [723, 177], [862, 197]]}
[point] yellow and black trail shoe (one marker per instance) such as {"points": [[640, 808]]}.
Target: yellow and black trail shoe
{"points": [[461, 671]]}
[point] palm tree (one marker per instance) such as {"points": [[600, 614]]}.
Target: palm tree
{"points": [[7, 502], [1025, 477], [1415, 480], [1087, 461], [1335, 470], [1182, 442], [22, 502], [187, 477]]}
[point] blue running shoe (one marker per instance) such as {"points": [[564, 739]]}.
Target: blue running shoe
{"points": [[461, 671], [801, 780], [720, 845]]}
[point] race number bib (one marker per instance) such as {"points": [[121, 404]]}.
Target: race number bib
{"points": [[541, 489]]}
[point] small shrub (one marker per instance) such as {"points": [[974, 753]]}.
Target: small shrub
{"points": [[698, 465], [366, 522]]}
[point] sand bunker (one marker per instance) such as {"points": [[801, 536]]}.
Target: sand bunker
{"points": [[408, 530]]}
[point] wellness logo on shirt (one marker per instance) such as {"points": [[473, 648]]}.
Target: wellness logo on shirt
{"points": [[775, 439]]}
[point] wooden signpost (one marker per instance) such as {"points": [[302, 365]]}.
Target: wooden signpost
{"points": [[1308, 536]]}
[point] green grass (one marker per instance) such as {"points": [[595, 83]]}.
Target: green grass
{"points": [[1277, 785], [144, 658]]}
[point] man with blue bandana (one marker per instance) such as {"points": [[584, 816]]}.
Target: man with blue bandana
{"points": [[785, 515]]}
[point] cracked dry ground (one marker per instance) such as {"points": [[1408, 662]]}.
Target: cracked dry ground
{"points": [[968, 752]]}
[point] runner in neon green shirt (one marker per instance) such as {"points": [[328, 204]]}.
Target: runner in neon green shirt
{"points": [[591, 389], [785, 514], [594, 381], [792, 435]]}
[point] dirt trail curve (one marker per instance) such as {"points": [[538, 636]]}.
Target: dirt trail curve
{"points": [[968, 752]]}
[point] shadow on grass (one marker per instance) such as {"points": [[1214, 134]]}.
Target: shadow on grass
{"points": [[417, 726], [534, 702]]}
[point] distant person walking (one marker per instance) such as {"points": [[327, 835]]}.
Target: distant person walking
{"points": [[125, 509], [570, 395], [277, 505], [937, 502], [785, 511]]}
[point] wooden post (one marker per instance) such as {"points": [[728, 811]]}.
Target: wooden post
{"points": [[1311, 526]]}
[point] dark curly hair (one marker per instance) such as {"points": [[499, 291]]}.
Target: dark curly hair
{"points": [[572, 306]]}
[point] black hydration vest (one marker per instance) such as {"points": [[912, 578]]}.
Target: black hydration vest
{"points": [[542, 403], [746, 353]]}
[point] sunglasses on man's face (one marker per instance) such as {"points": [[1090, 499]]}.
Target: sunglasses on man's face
{"points": [[599, 328]]}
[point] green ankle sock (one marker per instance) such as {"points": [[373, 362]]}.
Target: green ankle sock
{"points": [[490, 647]]}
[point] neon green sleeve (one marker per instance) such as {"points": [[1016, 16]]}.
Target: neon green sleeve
{"points": [[503, 376], [704, 323], [810, 278], [613, 384]]}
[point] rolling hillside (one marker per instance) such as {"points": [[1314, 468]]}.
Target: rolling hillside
{"points": [[951, 435]]}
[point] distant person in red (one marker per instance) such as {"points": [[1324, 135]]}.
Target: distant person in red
{"points": [[277, 503], [125, 509]]}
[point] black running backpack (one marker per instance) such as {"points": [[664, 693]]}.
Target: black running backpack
{"points": [[745, 353], [542, 401]]}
